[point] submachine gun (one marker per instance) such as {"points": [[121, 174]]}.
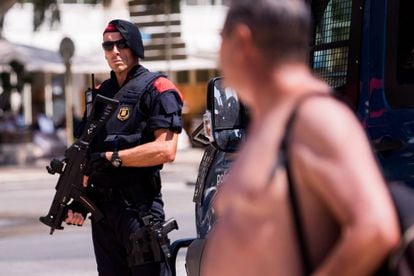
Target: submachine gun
{"points": [[72, 167]]}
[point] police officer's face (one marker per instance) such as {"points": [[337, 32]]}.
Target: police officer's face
{"points": [[120, 60]]}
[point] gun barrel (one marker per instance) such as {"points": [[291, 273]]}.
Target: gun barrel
{"points": [[55, 217], [49, 221]]}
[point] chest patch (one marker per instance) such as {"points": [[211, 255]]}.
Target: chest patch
{"points": [[123, 113]]}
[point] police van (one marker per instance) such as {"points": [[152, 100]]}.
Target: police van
{"points": [[364, 49]]}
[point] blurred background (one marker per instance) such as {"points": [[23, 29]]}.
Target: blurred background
{"points": [[50, 48]]}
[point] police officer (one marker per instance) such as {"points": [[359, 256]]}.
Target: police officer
{"points": [[127, 157]]}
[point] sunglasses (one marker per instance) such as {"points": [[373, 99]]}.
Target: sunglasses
{"points": [[109, 45]]}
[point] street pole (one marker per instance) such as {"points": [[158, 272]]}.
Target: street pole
{"points": [[67, 49], [168, 42]]}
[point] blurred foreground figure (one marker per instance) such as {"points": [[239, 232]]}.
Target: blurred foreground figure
{"points": [[346, 223]]}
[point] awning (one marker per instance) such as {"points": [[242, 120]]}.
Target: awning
{"points": [[34, 59]]}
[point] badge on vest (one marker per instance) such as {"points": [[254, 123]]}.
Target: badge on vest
{"points": [[123, 113]]}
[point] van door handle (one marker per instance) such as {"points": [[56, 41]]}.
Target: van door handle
{"points": [[387, 143]]}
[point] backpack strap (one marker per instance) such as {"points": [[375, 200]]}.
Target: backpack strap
{"points": [[283, 160]]}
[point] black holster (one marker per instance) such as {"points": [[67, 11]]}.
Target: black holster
{"points": [[145, 247], [150, 244]]}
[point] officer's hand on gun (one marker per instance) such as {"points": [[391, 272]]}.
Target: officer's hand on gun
{"points": [[97, 162], [76, 214], [74, 218]]}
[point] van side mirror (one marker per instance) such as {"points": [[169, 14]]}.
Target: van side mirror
{"points": [[225, 119]]}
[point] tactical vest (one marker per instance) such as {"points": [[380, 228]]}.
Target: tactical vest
{"points": [[127, 127]]}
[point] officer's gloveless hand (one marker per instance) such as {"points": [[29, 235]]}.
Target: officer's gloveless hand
{"points": [[76, 214], [97, 162]]}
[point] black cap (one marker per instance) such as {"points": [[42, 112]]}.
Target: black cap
{"points": [[130, 33]]}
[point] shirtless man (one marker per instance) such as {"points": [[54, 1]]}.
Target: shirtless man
{"points": [[349, 221]]}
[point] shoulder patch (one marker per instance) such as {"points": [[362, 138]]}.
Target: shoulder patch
{"points": [[163, 84]]}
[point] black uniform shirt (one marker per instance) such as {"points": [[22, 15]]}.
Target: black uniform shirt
{"points": [[134, 122]]}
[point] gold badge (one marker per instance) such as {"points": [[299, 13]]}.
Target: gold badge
{"points": [[123, 114]]}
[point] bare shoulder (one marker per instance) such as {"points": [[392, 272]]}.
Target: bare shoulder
{"points": [[324, 122]]}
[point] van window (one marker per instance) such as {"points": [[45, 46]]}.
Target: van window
{"points": [[329, 54], [400, 54]]}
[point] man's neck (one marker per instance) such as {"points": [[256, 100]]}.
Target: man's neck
{"points": [[123, 75], [285, 83]]}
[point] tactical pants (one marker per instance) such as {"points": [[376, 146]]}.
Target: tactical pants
{"points": [[111, 241]]}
